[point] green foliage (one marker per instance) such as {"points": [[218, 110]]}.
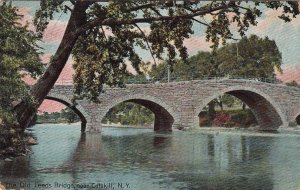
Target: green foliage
{"points": [[19, 57], [293, 124], [257, 58], [70, 115], [128, 113], [243, 118], [109, 33], [228, 100], [134, 79], [66, 115], [293, 83]]}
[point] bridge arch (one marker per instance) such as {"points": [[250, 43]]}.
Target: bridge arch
{"points": [[78, 109], [266, 111], [295, 114], [297, 119], [165, 115]]}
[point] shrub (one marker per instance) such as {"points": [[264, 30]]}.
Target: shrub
{"points": [[292, 124], [221, 119], [244, 118]]}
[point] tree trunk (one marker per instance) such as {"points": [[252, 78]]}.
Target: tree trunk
{"points": [[39, 91], [244, 106], [211, 111], [219, 102]]}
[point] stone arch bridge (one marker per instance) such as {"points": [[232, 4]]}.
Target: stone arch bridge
{"points": [[178, 104]]}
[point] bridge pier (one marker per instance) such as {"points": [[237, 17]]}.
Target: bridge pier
{"points": [[94, 128], [163, 122], [93, 124], [83, 126]]}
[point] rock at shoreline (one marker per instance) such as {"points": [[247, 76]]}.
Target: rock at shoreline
{"points": [[8, 160], [31, 141], [2, 187]]}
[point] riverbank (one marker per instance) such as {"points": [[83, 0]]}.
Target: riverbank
{"points": [[251, 131], [127, 126], [20, 147], [255, 129]]}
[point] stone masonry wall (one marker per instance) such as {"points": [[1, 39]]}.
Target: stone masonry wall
{"points": [[181, 102]]}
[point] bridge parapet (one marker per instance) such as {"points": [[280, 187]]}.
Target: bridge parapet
{"points": [[190, 78]]}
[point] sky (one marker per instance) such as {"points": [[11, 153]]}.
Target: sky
{"points": [[286, 36]]}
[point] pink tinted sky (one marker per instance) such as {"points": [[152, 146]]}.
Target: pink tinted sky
{"points": [[285, 35]]}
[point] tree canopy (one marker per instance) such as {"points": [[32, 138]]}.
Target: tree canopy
{"points": [[109, 32], [251, 57], [293, 83], [128, 113], [19, 57], [256, 57]]}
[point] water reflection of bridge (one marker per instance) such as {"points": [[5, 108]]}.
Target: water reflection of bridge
{"points": [[178, 104], [208, 162], [202, 161]]}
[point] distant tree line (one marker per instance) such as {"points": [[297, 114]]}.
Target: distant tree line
{"points": [[252, 57], [128, 113], [66, 115], [293, 83]]}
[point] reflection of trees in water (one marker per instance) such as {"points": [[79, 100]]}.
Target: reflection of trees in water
{"points": [[18, 168], [207, 162], [137, 149], [233, 162], [210, 146]]}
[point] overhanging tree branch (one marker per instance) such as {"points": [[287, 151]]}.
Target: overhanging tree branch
{"points": [[114, 22], [145, 37]]}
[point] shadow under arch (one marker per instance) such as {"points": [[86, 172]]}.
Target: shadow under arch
{"points": [[165, 116], [266, 111], [295, 114], [79, 110], [297, 119]]}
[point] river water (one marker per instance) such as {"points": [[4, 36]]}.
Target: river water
{"points": [[139, 159]]}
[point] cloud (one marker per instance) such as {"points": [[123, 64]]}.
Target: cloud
{"points": [[290, 74], [66, 76], [46, 57], [27, 18], [29, 80], [55, 31], [197, 43], [130, 68], [50, 106], [287, 39], [270, 24]]}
